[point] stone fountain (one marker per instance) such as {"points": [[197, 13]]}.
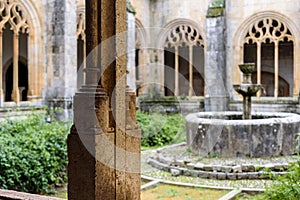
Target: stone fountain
{"points": [[247, 89], [237, 134]]}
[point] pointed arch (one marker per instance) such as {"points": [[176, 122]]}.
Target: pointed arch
{"points": [[264, 32], [22, 19], [180, 46]]}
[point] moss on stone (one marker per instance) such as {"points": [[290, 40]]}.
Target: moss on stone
{"points": [[216, 8], [130, 8]]}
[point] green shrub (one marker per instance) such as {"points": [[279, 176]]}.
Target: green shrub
{"points": [[286, 187], [33, 154], [158, 129]]}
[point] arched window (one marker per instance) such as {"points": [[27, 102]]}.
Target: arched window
{"points": [[14, 32], [184, 62], [140, 56], [270, 44]]}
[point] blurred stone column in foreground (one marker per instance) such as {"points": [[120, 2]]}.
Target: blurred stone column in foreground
{"points": [[104, 143]]}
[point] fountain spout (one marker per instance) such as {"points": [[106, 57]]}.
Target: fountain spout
{"points": [[246, 88]]}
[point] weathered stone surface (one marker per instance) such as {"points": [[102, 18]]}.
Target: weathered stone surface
{"points": [[203, 174], [212, 175], [221, 176], [253, 175], [273, 135], [175, 172], [231, 176], [217, 168], [208, 168], [199, 166], [226, 169], [242, 176], [248, 168], [237, 169]]}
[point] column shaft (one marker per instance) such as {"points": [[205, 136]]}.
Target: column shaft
{"points": [[15, 92], [276, 74], [176, 72]]}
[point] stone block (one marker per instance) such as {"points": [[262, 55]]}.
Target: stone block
{"points": [[199, 166], [186, 172], [190, 165], [253, 175], [175, 172], [226, 169], [248, 168], [178, 163], [242, 176], [237, 169], [217, 168], [203, 174], [231, 176], [207, 168], [221, 176], [269, 166], [212, 175], [194, 173]]}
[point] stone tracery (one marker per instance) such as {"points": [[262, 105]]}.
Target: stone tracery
{"points": [[270, 35], [268, 29], [12, 13], [184, 34], [184, 41]]}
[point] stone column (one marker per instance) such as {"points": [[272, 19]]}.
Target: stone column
{"points": [[131, 68], [1, 68], [216, 95], [61, 60], [15, 92], [104, 144]]}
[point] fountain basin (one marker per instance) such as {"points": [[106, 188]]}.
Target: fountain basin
{"points": [[247, 89], [224, 134]]}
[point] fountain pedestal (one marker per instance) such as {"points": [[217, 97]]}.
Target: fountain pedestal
{"points": [[247, 89]]}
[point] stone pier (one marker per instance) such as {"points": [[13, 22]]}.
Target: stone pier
{"points": [[104, 143], [216, 95], [61, 57]]}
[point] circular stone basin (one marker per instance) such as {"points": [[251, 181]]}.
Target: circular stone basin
{"points": [[225, 134]]}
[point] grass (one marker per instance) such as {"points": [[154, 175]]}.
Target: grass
{"points": [[166, 192]]}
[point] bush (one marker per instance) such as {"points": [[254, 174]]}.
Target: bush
{"points": [[159, 130], [286, 187], [33, 155]]}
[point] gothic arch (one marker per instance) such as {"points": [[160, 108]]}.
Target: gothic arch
{"points": [[35, 50], [23, 18], [252, 21], [141, 56], [141, 34], [181, 40], [169, 26]]}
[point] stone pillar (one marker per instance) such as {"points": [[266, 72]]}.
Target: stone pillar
{"points": [[104, 144], [61, 60], [216, 95], [1, 68], [131, 68], [15, 92]]}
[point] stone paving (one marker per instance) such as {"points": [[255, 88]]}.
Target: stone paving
{"points": [[176, 163]]}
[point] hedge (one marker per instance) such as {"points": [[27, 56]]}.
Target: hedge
{"points": [[33, 155]]}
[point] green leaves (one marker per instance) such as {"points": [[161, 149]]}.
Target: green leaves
{"points": [[159, 130], [33, 154]]}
